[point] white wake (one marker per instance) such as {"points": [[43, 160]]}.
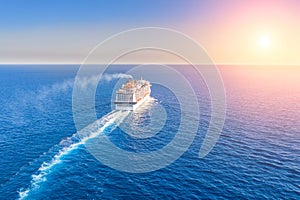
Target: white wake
{"points": [[111, 120]]}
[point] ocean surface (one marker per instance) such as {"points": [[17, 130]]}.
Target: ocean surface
{"points": [[42, 155]]}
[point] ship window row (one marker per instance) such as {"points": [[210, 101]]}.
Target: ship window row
{"points": [[124, 97]]}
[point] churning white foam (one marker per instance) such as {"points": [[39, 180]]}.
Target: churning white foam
{"points": [[112, 119]]}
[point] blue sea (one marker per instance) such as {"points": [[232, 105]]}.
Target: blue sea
{"points": [[256, 157]]}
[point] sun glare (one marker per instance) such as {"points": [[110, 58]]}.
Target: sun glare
{"points": [[264, 41]]}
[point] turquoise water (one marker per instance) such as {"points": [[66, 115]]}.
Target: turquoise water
{"points": [[257, 155]]}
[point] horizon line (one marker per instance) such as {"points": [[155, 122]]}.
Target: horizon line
{"points": [[224, 64]]}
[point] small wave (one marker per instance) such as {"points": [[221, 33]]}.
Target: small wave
{"points": [[65, 146]]}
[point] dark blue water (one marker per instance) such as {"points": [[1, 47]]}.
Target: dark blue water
{"points": [[256, 157]]}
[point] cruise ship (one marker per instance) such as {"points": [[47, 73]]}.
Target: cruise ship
{"points": [[132, 94]]}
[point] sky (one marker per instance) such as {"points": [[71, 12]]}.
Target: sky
{"points": [[231, 31]]}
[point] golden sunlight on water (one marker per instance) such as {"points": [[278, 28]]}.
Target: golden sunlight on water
{"points": [[267, 94]]}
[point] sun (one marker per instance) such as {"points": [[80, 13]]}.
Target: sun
{"points": [[264, 41]]}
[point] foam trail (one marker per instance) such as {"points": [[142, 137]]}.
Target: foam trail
{"points": [[112, 119]]}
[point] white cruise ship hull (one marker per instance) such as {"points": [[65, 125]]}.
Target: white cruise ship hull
{"points": [[131, 105]]}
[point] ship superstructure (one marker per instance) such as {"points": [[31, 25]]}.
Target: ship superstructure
{"points": [[132, 94]]}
